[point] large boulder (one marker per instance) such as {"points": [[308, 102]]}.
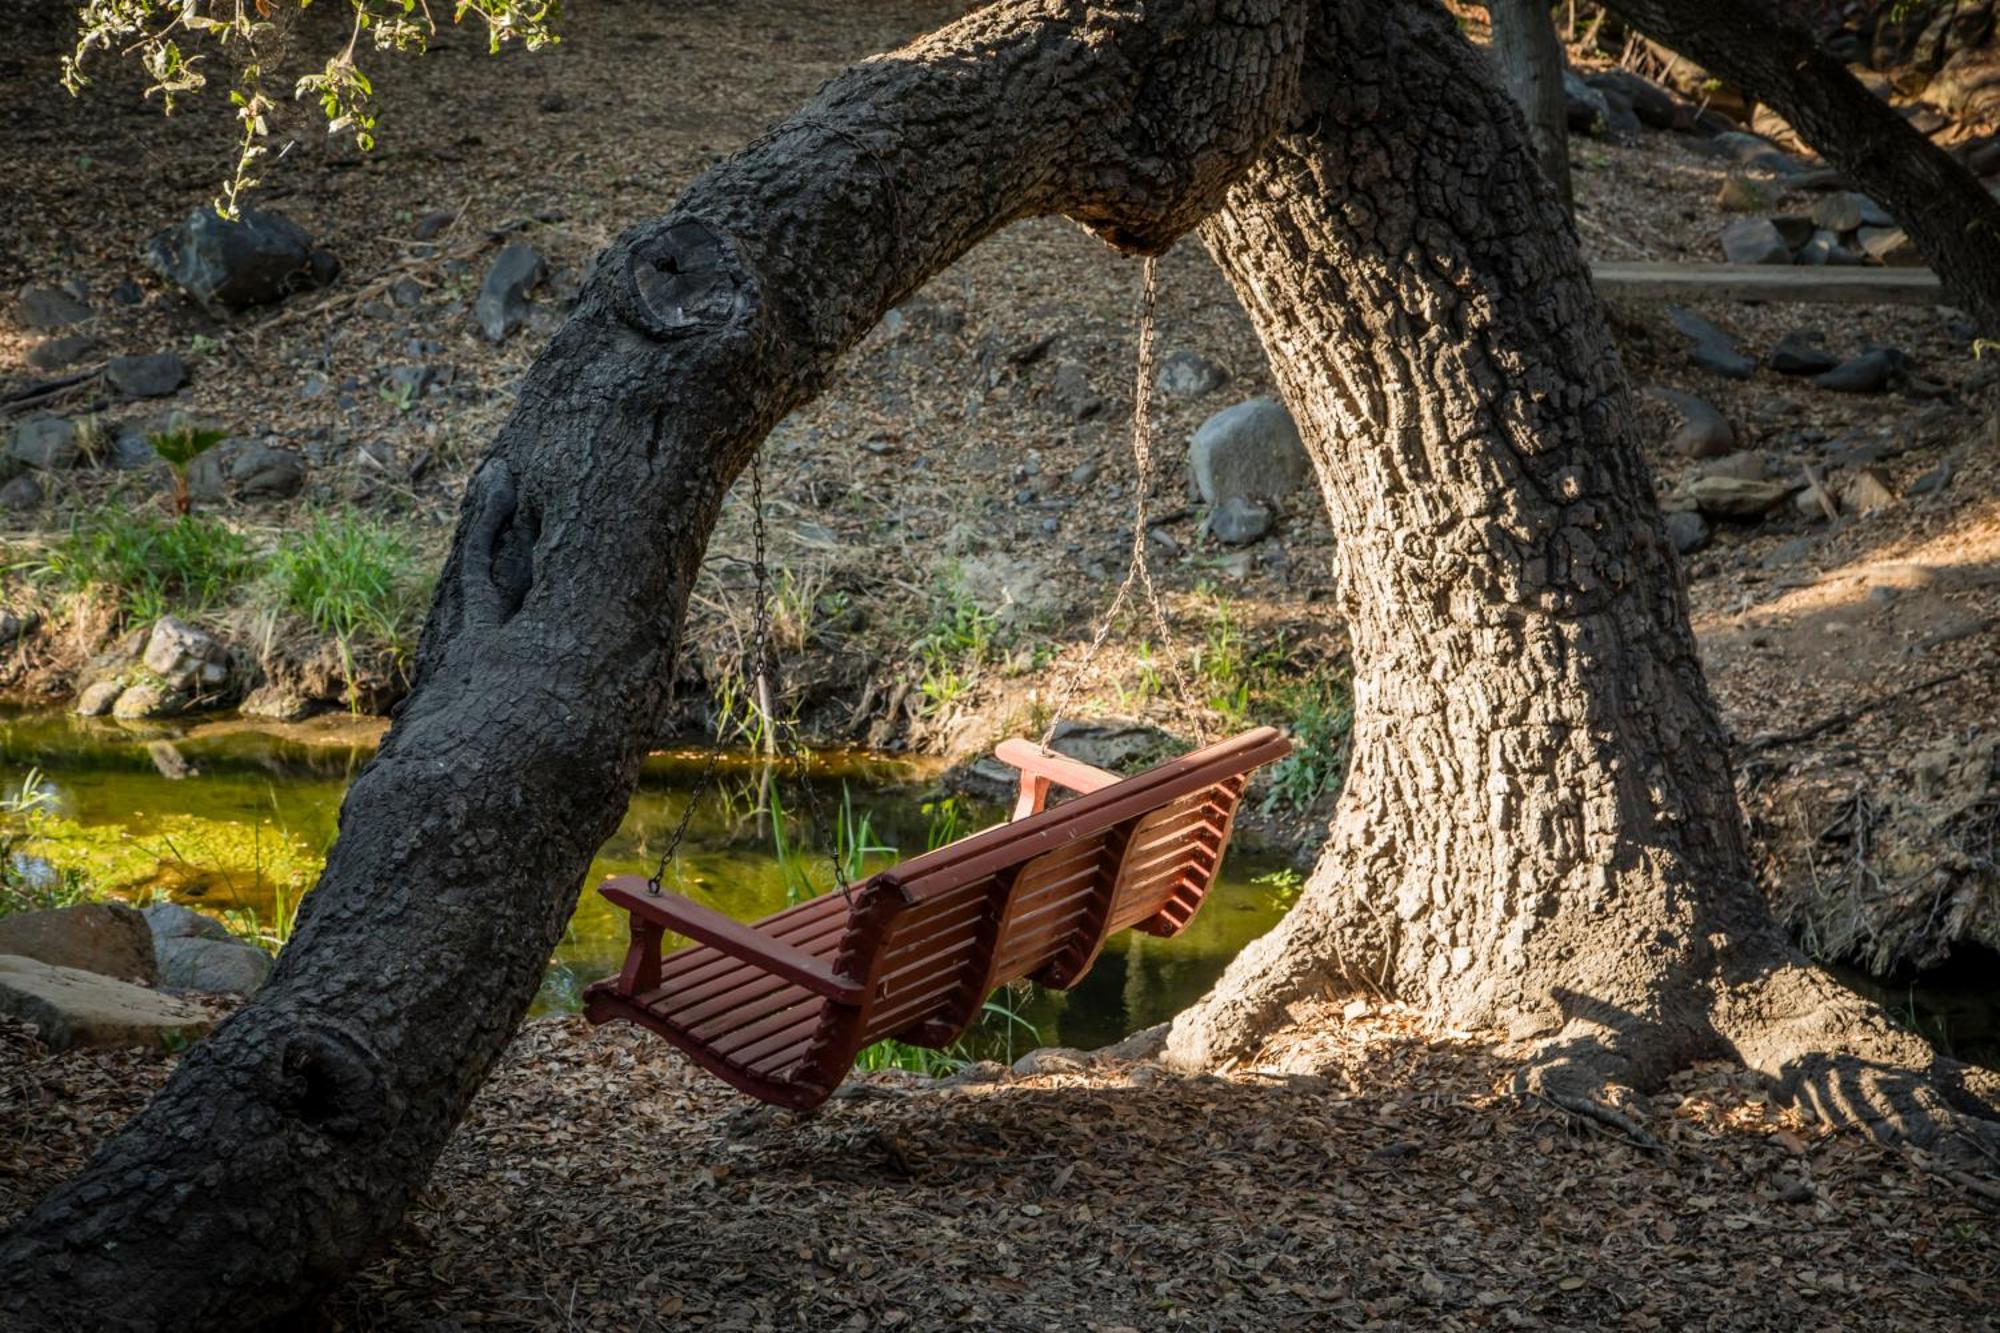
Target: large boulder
{"points": [[261, 258], [109, 939], [72, 1008], [1251, 450]]}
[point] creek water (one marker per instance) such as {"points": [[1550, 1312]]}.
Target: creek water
{"points": [[233, 817]]}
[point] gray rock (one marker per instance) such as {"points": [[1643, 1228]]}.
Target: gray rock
{"points": [[1085, 472], [1871, 372], [1850, 210], [1584, 107], [154, 375], [1650, 104], [184, 657], [1787, 553], [1889, 245], [1240, 520], [1800, 353], [109, 939], [1688, 531], [50, 308], [1755, 241], [21, 494], [1747, 465], [262, 473], [45, 442], [281, 703], [407, 293], [211, 966], [1186, 374], [171, 921], [1073, 395], [262, 258], [1709, 347], [16, 625], [98, 697], [1740, 194], [55, 353], [1112, 743], [1824, 249], [502, 306], [71, 1008], [430, 224], [128, 292], [1704, 432], [1865, 490], [1755, 151], [1734, 497], [149, 699], [1937, 479], [1141, 1045], [1051, 1060], [1249, 450]]}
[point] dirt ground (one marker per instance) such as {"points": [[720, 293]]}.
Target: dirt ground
{"points": [[1364, 1174]]}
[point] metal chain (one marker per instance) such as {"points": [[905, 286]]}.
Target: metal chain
{"points": [[1138, 572]]}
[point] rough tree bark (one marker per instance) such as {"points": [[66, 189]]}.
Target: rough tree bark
{"points": [[1530, 57], [1539, 828], [1774, 59], [1539, 831]]}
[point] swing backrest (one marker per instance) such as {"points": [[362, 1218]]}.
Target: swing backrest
{"points": [[1038, 896]]}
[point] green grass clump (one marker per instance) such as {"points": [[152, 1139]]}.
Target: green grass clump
{"points": [[1321, 714], [150, 566], [352, 579]]}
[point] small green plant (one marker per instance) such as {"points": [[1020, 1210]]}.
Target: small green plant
{"points": [[962, 636], [401, 394], [1283, 886], [945, 815], [354, 580], [30, 884], [854, 839], [180, 446], [1321, 718], [149, 566]]}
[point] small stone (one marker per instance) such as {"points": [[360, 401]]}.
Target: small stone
{"points": [[176, 652], [502, 306], [98, 697], [261, 473], [1251, 450], [278, 702], [1740, 194], [171, 921], [128, 292], [1688, 531], [1186, 374], [1871, 372], [1850, 210], [1866, 490], [1787, 553], [148, 699], [1239, 520], [45, 442], [1733, 497], [71, 1008], [260, 258], [552, 103], [1085, 472], [50, 308], [18, 625], [1935, 480], [211, 966], [1585, 109], [430, 224], [154, 375], [1799, 353], [1755, 241], [407, 293], [21, 494], [1745, 465], [1711, 348], [1704, 431], [1889, 245], [55, 353], [1072, 393], [1045, 1060]]}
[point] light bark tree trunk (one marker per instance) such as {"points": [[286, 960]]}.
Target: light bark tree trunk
{"points": [[1774, 59], [1539, 829], [1530, 57]]}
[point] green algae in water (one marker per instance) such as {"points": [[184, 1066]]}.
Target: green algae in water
{"points": [[233, 818]]}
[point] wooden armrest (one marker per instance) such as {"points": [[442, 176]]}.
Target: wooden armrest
{"points": [[697, 921], [1034, 761], [1042, 769]]}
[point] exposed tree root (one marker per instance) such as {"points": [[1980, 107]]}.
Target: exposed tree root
{"points": [[1578, 1074]]}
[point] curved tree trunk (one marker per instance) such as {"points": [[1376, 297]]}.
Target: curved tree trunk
{"points": [[1531, 68], [289, 1142], [1774, 59]]}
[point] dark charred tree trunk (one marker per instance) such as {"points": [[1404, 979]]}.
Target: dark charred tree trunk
{"points": [[1539, 830], [1530, 57], [1774, 59]]}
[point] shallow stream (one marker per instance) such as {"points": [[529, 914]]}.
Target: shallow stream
{"points": [[233, 818]]}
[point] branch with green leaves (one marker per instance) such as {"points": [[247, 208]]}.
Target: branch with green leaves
{"points": [[174, 41]]}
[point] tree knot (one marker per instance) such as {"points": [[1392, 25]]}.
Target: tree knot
{"points": [[686, 278], [331, 1080]]}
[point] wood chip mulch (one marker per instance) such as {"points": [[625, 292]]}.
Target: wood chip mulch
{"points": [[1367, 1175]]}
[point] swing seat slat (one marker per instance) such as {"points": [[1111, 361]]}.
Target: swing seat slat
{"points": [[779, 1009]]}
